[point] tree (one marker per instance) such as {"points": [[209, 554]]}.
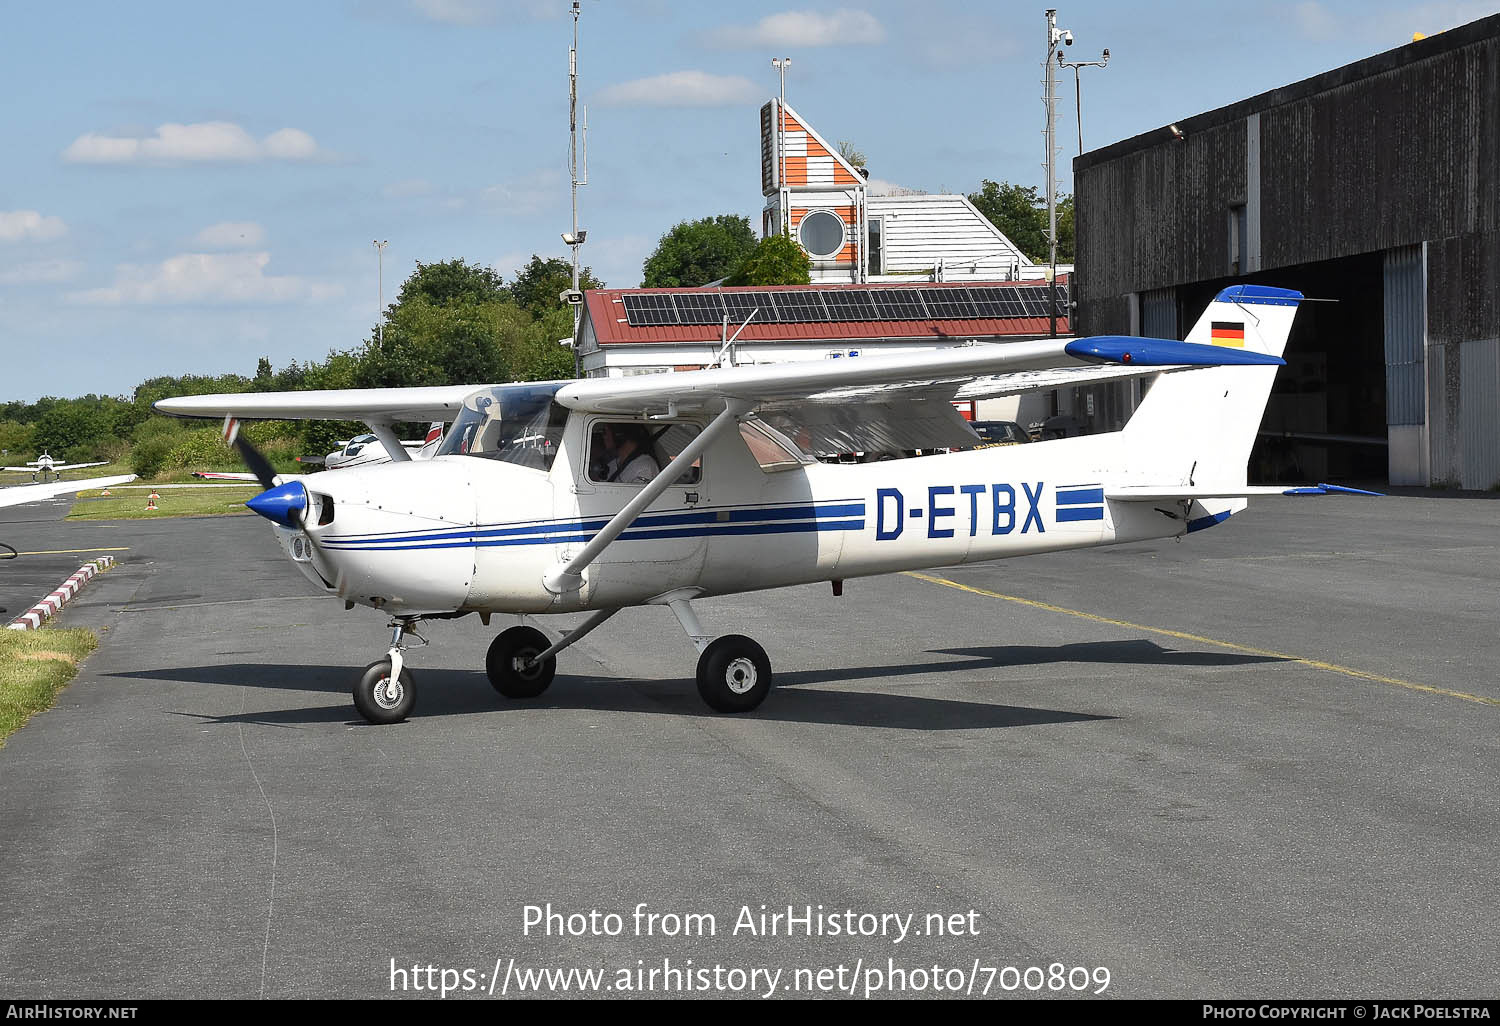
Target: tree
{"points": [[1065, 230], [452, 281], [698, 252], [776, 261], [1014, 210], [74, 427], [850, 154], [537, 285]]}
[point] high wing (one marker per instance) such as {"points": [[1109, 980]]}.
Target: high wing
{"points": [[217, 475], [933, 373], [76, 466], [31, 493], [900, 401], [380, 405]]}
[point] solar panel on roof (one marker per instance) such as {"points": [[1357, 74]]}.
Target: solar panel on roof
{"points": [[739, 305], [800, 307], [899, 304], [995, 301], [948, 303], [850, 305], [650, 310], [699, 308]]}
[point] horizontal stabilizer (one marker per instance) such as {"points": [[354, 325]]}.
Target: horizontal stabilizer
{"points": [[1172, 493]]}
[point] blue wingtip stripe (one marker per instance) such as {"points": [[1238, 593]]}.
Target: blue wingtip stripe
{"points": [[1164, 352]]}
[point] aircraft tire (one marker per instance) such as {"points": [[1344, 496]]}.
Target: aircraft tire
{"points": [[510, 647], [385, 708], [734, 674]]}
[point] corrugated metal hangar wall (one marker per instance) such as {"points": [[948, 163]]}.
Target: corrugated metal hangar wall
{"points": [[1376, 185]]}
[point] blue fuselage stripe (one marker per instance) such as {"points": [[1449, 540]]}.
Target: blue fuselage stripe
{"points": [[1065, 516], [629, 535], [1078, 496], [547, 530]]}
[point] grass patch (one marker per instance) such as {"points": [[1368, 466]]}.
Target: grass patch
{"points": [[34, 666], [130, 504]]}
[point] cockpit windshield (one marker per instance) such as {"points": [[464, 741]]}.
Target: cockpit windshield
{"points": [[513, 423]]}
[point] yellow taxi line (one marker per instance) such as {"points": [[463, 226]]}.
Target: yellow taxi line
{"points": [[1317, 664]]}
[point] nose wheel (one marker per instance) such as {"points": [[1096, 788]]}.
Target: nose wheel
{"points": [[384, 697], [385, 692]]}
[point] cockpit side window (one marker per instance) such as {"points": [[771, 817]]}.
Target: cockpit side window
{"points": [[517, 424], [634, 452]]}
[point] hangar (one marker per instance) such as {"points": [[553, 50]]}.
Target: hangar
{"points": [[1375, 186]]}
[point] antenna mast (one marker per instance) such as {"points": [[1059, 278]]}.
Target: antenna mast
{"points": [[576, 238]]}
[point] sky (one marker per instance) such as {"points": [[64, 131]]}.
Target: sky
{"points": [[186, 187]]}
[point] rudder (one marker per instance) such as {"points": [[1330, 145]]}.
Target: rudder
{"points": [[1198, 425]]}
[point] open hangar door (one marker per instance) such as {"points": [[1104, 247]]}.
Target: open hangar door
{"points": [[1326, 418]]}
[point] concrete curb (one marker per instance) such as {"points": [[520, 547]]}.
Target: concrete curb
{"points": [[49, 606]]}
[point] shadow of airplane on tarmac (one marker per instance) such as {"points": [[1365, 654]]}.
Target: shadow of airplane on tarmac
{"points": [[467, 692]]}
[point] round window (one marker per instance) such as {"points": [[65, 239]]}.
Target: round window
{"points": [[821, 233]]}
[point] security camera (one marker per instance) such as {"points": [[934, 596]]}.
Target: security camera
{"points": [[1068, 38]]}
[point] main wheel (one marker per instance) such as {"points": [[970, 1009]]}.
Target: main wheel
{"points": [[506, 663], [380, 699], [734, 674]]}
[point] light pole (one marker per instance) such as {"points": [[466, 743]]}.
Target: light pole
{"points": [[781, 64], [380, 245], [1103, 61], [1055, 36]]}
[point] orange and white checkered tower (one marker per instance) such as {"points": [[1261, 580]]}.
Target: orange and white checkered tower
{"points": [[815, 194]]}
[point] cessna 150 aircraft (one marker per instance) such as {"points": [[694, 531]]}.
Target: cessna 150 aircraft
{"points": [[523, 512], [44, 464]]}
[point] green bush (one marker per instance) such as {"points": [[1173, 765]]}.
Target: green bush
{"points": [[203, 447], [149, 456]]}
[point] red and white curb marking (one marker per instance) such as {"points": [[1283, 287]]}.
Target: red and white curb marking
{"points": [[48, 607]]}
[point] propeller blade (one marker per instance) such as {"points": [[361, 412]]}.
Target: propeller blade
{"points": [[256, 463]]}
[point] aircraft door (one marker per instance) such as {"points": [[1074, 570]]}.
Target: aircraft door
{"points": [[664, 547]]}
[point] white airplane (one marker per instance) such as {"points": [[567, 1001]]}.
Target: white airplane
{"points": [[44, 464], [18, 495], [518, 512], [359, 451]]}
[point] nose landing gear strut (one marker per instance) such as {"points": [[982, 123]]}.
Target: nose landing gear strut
{"points": [[385, 692]]}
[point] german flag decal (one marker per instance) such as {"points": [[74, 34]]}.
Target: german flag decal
{"points": [[1228, 333]]}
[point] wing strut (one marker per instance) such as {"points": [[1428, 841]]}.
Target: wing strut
{"points": [[568, 577], [387, 435]]}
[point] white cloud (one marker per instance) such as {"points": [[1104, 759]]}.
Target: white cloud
{"points": [[204, 278], [844, 27], [485, 12], [231, 235], [42, 272], [203, 142], [682, 89], [17, 225]]}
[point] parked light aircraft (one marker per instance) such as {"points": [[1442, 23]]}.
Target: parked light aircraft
{"points": [[517, 514], [359, 451], [44, 464], [18, 495]]}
